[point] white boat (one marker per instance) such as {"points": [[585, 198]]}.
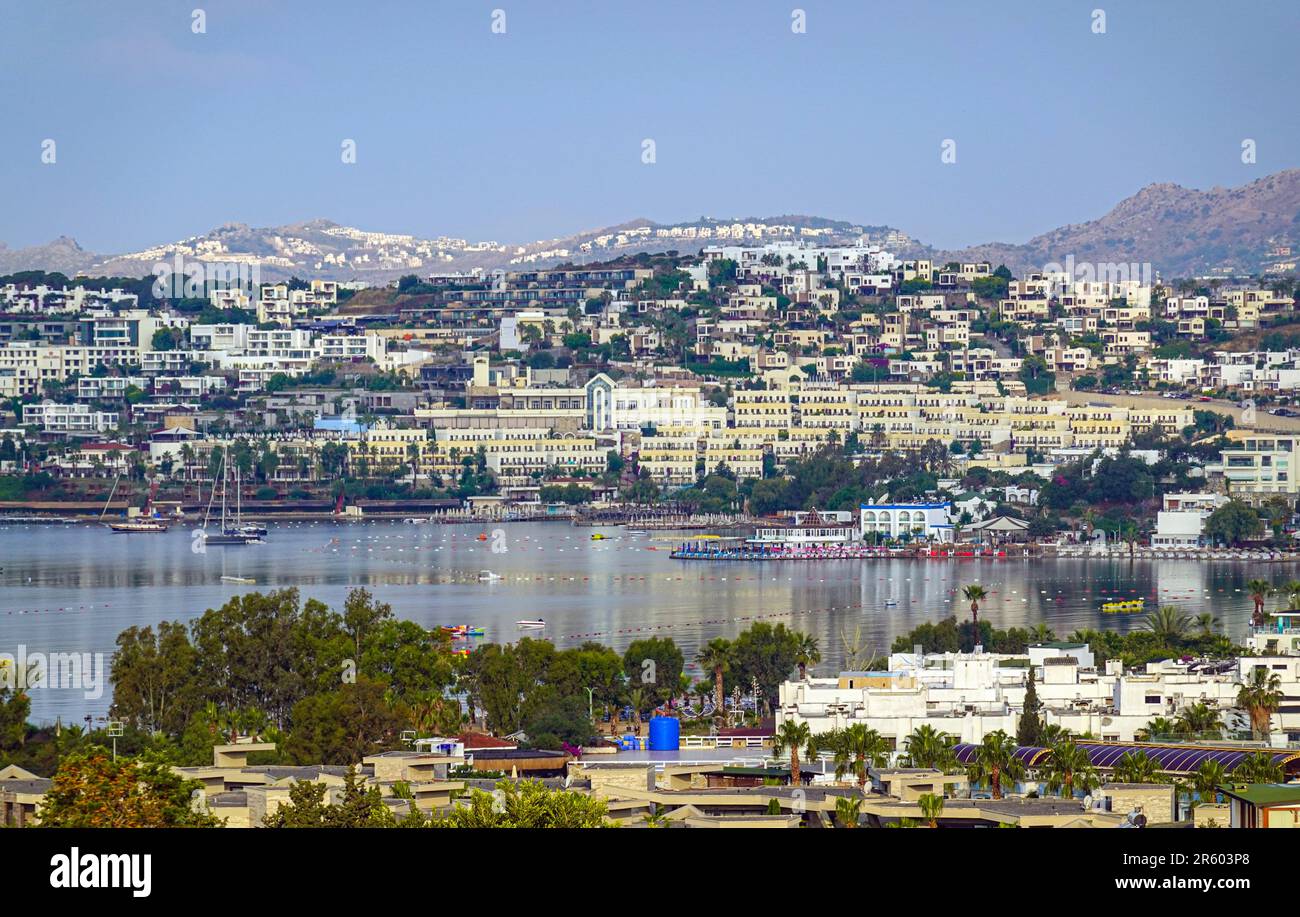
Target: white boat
{"points": [[537, 623], [415, 520], [243, 580], [487, 576], [636, 532]]}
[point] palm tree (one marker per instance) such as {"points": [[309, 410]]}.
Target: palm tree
{"points": [[931, 808], [1259, 590], [858, 748], [808, 653], [1207, 623], [1207, 779], [793, 737], [994, 759], [1160, 726], [1069, 768], [1041, 633], [927, 747], [1200, 720], [1168, 623], [1258, 768], [847, 811], [1053, 733], [975, 594], [1260, 696], [1136, 767], [636, 699], [715, 657]]}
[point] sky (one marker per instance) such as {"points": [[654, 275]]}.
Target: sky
{"points": [[161, 132]]}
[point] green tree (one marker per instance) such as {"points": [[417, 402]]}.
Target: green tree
{"points": [[1260, 696], [93, 791], [1029, 730], [1233, 522], [931, 808], [808, 653], [974, 594], [994, 761], [715, 657], [1258, 768], [1070, 770], [307, 808], [793, 738]]}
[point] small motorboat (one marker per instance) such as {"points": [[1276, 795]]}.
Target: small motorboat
{"points": [[597, 536], [482, 536], [416, 520], [139, 527], [242, 580], [487, 576], [637, 532], [534, 623]]}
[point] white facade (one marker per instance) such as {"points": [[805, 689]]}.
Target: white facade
{"points": [[918, 520]]}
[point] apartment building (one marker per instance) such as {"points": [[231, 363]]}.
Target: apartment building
{"points": [[69, 419]]}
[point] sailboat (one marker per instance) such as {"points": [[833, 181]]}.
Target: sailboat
{"points": [[230, 533], [139, 526]]}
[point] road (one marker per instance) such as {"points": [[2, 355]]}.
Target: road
{"points": [[1263, 420]]}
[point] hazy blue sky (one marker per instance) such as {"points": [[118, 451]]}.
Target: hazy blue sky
{"points": [[162, 133]]}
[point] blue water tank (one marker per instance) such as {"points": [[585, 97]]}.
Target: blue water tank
{"points": [[665, 733]]}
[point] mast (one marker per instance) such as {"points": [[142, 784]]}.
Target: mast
{"points": [[111, 491], [225, 478]]}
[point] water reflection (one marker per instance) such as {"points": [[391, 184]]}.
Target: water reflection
{"points": [[73, 588]]}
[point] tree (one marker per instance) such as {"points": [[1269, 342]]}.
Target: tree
{"points": [[931, 808], [1260, 695], [808, 653], [1233, 523], [974, 594], [1200, 720], [1258, 768], [1136, 767], [654, 663], [1069, 769], [1029, 730], [93, 791], [1207, 779], [1168, 624], [848, 810], [152, 677], [994, 760], [1259, 589], [526, 804], [764, 654], [929, 748], [792, 738], [307, 808], [856, 749], [344, 725], [715, 657]]}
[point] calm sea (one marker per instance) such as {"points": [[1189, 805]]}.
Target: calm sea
{"points": [[73, 588]]}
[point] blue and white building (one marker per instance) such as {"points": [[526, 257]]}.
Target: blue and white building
{"points": [[918, 520]]}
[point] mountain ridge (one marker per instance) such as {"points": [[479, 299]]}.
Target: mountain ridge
{"points": [[1180, 231]]}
